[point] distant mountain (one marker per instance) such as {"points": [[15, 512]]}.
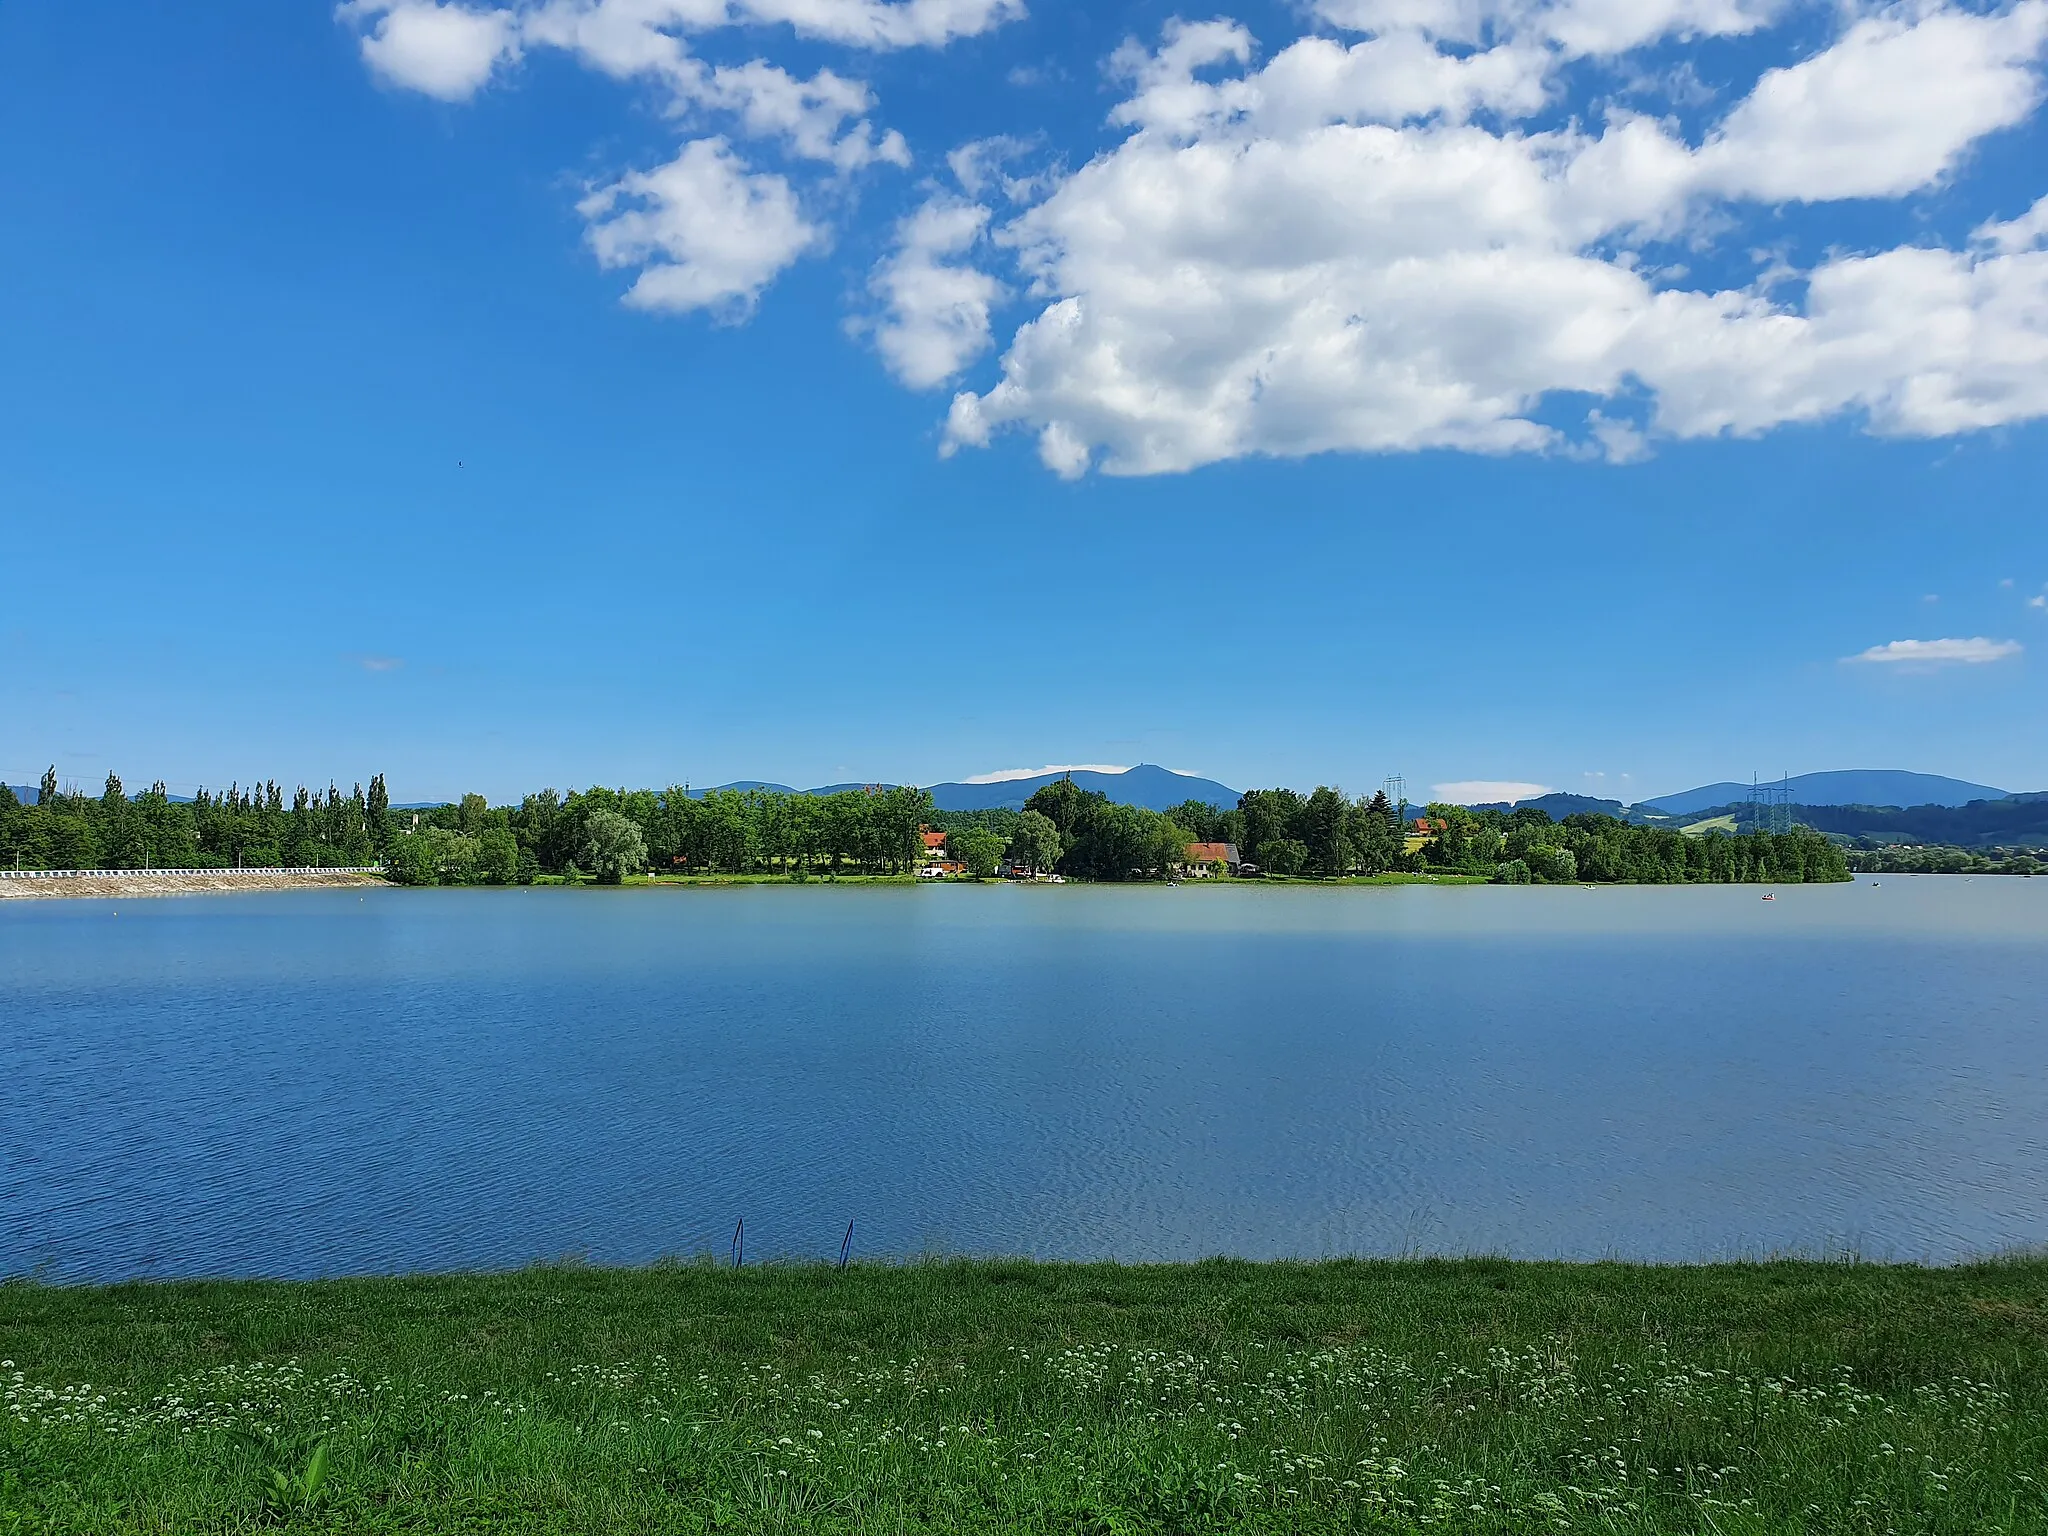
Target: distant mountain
{"points": [[1864, 786], [1155, 788], [1560, 806], [741, 784]]}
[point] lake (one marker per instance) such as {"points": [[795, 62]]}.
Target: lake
{"points": [[314, 1083]]}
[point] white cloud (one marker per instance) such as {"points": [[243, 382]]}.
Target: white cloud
{"points": [[1932, 653], [978, 166], [2037, 601], [626, 37], [447, 51], [1889, 108], [710, 231], [1579, 27], [2026, 233], [1331, 252], [871, 24], [1488, 791], [1006, 775], [809, 116], [936, 309], [707, 232]]}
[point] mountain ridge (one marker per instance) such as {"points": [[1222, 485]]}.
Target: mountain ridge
{"points": [[1146, 784], [1893, 787]]}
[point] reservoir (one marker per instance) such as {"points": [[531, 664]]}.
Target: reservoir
{"points": [[319, 1083]]}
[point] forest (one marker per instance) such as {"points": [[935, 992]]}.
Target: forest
{"points": [[611, 834]]}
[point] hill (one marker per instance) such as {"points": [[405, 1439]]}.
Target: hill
{"points": [[1158, 789], [1560, 806], [2020, 821], [1147, 785], [1857, 786]]}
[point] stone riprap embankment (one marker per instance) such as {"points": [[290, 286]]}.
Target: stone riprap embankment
{"points": [[179, 882]]}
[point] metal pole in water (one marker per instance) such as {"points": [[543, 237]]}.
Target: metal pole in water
{"points": [[739, 1245], [846, 1246]]}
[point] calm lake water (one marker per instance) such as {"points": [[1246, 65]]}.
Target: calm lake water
{"points": [[316, 1083]]}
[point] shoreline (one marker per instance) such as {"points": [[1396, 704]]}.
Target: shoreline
{"points": [[141, 884], [146, 883]]}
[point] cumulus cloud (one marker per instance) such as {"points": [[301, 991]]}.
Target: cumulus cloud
{"points": [[1890, 108], [936, 317], [1386, 236], [706, 232], [1488, 791], [1934, 653], [1357, 245], [817, 119], [2026, 233], [1578, 27], [440, 50]]}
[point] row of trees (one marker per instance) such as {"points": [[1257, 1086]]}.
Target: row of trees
{"points": [[1321, 833], [1526, 847], [611, 834], [253, 827], [1918, 860]]}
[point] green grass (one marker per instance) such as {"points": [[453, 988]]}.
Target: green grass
{"points": [[1403, 878], [1474, 1396]]}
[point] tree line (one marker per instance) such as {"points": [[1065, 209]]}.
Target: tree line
{"points": [[1921, 860], [613, 833], [252, 828], [610, 834]]}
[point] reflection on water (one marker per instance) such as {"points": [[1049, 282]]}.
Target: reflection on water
{"points": [[314, 1083]]}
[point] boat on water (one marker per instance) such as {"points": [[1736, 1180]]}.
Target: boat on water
{"points": [[1770, 898]]}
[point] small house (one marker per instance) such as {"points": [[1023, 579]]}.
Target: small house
{"points": [[1201, 857]]}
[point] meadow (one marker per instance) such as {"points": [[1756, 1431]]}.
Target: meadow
{"points": [[1405, 1396]]}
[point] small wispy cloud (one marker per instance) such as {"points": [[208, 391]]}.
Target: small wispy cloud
{"points": [[380, 663], [1004, 776], [2037, 601], [1487, 791], [1935, 653]]}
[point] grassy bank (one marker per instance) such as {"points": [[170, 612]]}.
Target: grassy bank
{"points": [[1206, 884], [1471, 1396]]}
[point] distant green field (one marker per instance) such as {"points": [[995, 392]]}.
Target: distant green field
{"points": [[1475, 1396], [1714, 824]]}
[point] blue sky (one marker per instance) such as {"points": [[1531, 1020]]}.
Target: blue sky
{"points": [[1560, 392]]}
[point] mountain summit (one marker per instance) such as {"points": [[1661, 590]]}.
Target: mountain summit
{"points": [[1148, 785]]}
